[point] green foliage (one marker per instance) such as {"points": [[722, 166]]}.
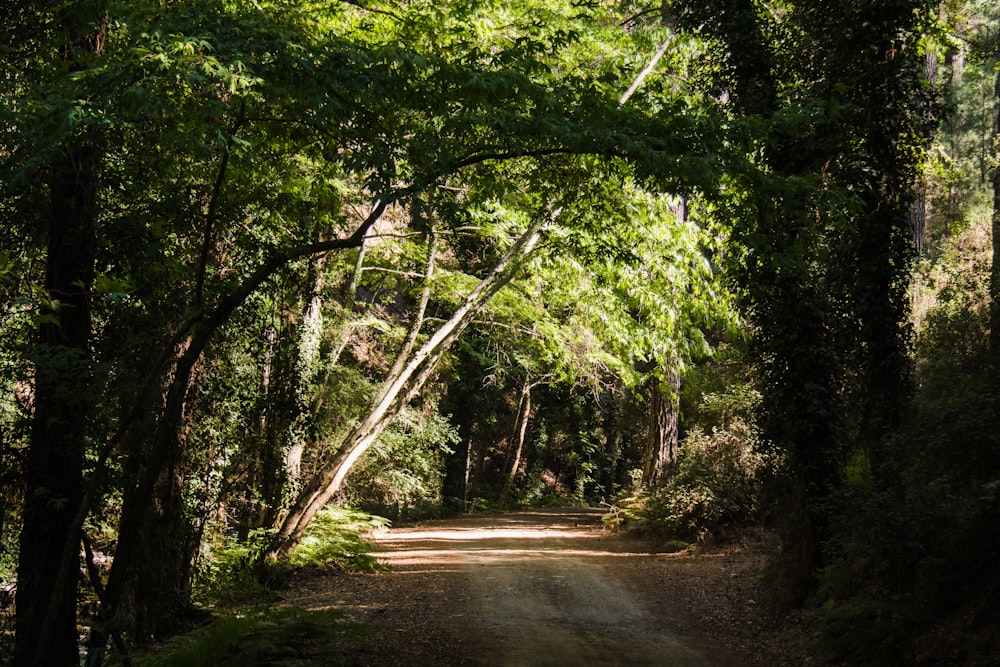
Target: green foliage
{"points": [[632, 283], [928, 544], [566, 451], [234, 134], [541, 489], [954, 282], [716, 482], [336, 536], [950, 456], [675, 546], [230, 573], [287, 637], [403, 471], [235, 572], [13, 435], [866, 631]]}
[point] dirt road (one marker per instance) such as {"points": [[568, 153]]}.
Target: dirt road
{"points": [[544, 588]]}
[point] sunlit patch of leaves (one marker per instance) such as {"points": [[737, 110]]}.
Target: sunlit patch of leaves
{"points": [[336, 536]]}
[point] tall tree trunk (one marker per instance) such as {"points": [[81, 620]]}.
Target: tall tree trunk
{"points": [[148, 599], [458, 469], [306, 355], [46, 601], [397, 391], [920, 212], [882, 245], [662, 438], [663, 432], [520, 431], [151, 500], [799, 367], [48, 565], [157, 598], [995, 268], [267, 471]]}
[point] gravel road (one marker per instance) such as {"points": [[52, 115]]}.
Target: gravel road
{"points": [[547, 588]]}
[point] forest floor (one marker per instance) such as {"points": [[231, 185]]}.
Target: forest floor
{"points": [[552, 587]]}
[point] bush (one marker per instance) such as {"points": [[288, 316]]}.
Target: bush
{"points": [[231, 573], [864, 631], [930, 541], [405, 468], [715, 482]]}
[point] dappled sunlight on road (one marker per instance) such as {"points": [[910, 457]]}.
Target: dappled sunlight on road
{"points": [[470, 534], [444, 556], [548, 587], [513, 538]]}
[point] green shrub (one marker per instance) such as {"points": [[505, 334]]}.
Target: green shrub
{"points": [[926, 536], [232, 570], [405, 468], [676, 546], [629, 513], [716, 481], [235, 572]]}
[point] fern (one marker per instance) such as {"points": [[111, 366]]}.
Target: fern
{"points": [[336, 535]]}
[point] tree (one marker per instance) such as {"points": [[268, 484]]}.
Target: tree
{"points": [[995, 178], [46, 594], [823, 233], [398, 388], [627, 289]]}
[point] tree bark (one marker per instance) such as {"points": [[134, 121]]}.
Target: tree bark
{"points": [[148, 600], [995, 224], [48, 562], [46, 593], [662, 438], [418, 318], [163, 452]]}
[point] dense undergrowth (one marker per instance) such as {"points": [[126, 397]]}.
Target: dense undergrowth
{"points": [[714, 488], [235, 571]]}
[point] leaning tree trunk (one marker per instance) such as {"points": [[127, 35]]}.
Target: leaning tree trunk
{"points": [[397, 390], [163, 452], [152, 595]]}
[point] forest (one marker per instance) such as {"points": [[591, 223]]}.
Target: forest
{"points": [[271, 268]]}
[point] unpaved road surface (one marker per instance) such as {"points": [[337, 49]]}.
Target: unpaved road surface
{"points": [[548, 587]]}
